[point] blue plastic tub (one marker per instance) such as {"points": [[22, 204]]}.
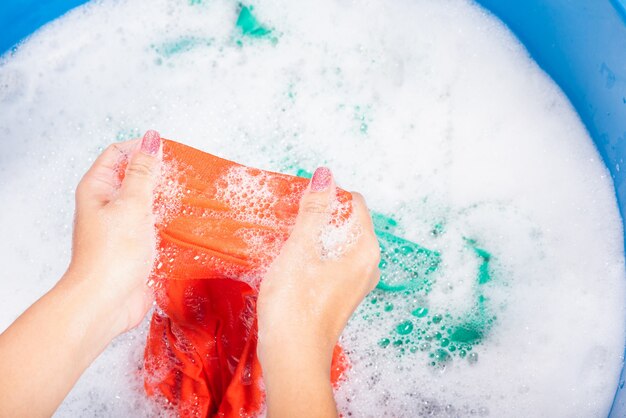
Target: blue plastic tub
{"points": [[581, 44]]}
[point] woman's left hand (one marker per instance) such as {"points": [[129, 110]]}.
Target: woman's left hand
{"points": [[114, 243], [102, 294]]}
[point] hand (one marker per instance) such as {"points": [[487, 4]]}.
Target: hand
{"points": [[104, 291], [306, 299], [114, 244]]}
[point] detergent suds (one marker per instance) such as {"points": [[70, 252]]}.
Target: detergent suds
{"points": [[502, 288]]}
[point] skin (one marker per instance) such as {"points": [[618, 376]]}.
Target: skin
{"points": [[104, 294], [305, 302]]}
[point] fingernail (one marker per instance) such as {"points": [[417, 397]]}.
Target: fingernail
{"points": [[151, 142], [321, 179]]}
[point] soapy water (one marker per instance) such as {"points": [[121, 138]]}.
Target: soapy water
{"points": [[407, 271], [503, 283]]}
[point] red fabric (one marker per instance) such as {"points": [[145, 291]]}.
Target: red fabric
{"points": [[201, 350]]}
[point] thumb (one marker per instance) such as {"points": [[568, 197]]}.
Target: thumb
{"points": [[140, 175], [315, 203]]}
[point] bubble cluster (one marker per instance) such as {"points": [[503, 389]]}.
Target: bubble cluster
{"points": [[340, 231], [168, 192], [421, 327], [252, 198]]}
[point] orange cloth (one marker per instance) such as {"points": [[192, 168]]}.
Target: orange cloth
{"points": [[201, 350]]}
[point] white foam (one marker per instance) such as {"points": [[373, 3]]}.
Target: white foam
{"points": [[339, 231], [430, 108]]}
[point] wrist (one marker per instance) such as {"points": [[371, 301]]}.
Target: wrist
{"points": [[296, 377], [295, 353], [284, 368], [96, 313]]}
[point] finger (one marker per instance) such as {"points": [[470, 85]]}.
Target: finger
{"points": [[374, 278], [113, 154], [142, 170], [315, 204], [367, 245], [361, 213], [102, 179]]}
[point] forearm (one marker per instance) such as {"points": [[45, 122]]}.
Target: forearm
{"points": [[44, 352], [297, 382]]}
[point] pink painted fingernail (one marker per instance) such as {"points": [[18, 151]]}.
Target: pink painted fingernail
{"points": [[151, 142], [321, 179]]}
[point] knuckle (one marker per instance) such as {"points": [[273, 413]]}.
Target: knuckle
{"points": [[372, 265], [113, 148], [371, 247], [374, 244], [375, 278], [80, 188], [140, 168], [314, 206], [358, 197], [375, 255]]}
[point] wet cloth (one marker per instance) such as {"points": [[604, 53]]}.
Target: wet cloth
{"points": [[220, 224]]}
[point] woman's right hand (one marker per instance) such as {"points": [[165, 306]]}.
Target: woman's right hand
{"points": [[306, 300]]}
